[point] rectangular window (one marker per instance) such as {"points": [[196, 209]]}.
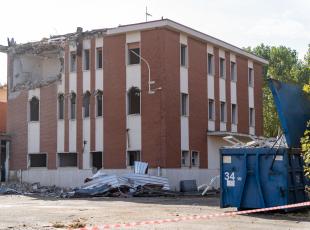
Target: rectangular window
{"points": [[96, 160], [86, 59], [133, 99], [67, 159], [72, 106], [99, 101], [38, 160], [34, 105], [185, 159], [234, 114], [73, 61], [223, 111], [133, 156], [183, 55], [195, 159], [251, 117], [210, 64], [86, 104], [133, 53], [251, 78], [184, 104], [211, 110], [61, 107], [233, 71], [222, 67], [99, 58]]}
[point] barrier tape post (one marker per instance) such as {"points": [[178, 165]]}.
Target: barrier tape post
{"points": [[196, 217]]}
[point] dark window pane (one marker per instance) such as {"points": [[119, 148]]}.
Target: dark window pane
{"points": [[37, 160], [61, 106], [97, 160], [72, 107], [99, 104], [86, 59], [99, 58], [210, 64], [132, 157], [134, 101], [86, 101], [133, 58], [183, 54], [67, 159], [34, 109]]}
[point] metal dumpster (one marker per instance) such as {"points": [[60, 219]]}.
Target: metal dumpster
{"points": [[261, 177]]}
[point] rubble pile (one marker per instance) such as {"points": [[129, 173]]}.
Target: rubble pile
{"points": [[31, 189], [127, 185]]}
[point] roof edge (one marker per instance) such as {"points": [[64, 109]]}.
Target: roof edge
{"points": [[184, 29]]}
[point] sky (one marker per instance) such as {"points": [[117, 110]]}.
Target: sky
{"points": [[239, 22]]}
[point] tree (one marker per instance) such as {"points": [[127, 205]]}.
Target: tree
{"points": [[285, 66]]}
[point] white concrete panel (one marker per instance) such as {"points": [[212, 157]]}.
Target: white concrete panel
{"points": [[86, 44], [133, 76], [223, 126], [184, 80], [86, 81], [183, 39], [60, 136], [211, 125], [73, 177], [232, 57], [33, 137], [99, 79], [133, 37], [222, 89], [134, 126], [233, 92], [99, 134], [210, 49], [250, 64], [99, 42], [184, 133], [214, 144], [251, 97], [72, 82], [34, 93], [86, 137], [234, 128], [72, 135], [221, 53], [210, 87], [252, 130]]}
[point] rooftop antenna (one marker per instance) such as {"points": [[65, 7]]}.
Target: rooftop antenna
{"points": [[147, 14]]}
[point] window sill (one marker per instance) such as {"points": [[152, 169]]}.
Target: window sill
{"points": [[72, 119], [184, 66], [99, 116], [134, 114], [211, 119], [210, 75], [235, 81], [99, 68], [184, 115], [34, 122], [134, 64], [86, 70], [72, 72], [86, 118], [43, 167]]}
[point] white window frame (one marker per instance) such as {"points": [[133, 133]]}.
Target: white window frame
{"points": [[233, 72], [198, 159], [212, 64], [187, 105], [224, 67], [236, 114], [186, 55], [97, 57], [187, 161], [251, 77], [84, 60], [252, 114]]}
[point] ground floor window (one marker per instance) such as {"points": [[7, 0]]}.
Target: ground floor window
{"points": [[185, 159], [67, 159], [96, 160], [37, 160], [195, 159], [133, 156]]}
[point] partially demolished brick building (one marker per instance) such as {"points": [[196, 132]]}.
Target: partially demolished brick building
{"points": [[158, 92]]}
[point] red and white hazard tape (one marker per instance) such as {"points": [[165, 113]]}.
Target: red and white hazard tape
{"points": [[196, 217]]}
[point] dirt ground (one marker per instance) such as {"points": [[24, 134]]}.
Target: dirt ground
{"points": [[25, 212]]}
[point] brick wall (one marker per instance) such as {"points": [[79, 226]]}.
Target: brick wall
{"points": [[114, 96], [3, 111], [48, 123], [228, 96], [198, 99], [242, 95], [258, 98]]}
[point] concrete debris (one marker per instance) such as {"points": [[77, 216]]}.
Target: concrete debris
{"points": [[256, 142], [126, 185], [32, 189]]}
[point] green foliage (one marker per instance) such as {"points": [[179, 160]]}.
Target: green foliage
{"points": [[285, 66], [305, 146]]}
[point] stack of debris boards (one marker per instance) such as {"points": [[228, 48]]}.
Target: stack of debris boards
{"points": [[131, 184]]}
